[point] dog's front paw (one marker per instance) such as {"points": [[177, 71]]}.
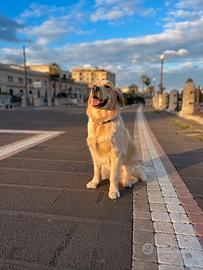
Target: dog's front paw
{"points": [[114, 195], [91, 185]]}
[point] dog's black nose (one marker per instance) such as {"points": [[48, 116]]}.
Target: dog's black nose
{"points": [[95, 89]]}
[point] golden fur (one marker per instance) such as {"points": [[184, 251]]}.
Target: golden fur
{"points": [[113, 150]]}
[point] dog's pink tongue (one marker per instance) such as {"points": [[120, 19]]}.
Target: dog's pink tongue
{"points": [[96, 102]]}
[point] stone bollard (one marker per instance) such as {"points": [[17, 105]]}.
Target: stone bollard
{"points": [[189, 102], [23, 101], [36, 101], [156, 101], [173, 100], [49, 101], [163, 101]]}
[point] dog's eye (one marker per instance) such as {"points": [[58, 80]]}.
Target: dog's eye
{"points": [[107, 86]]}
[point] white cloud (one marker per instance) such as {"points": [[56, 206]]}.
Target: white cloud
{"points": [[194, 4], [50, 30], [102, 14], [180, 52], [53, 22], [37, 10], [181, 41], [111, 10]]}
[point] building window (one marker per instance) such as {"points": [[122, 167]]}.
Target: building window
{"points": [[38, 94], [0, 90], [11, 92], [20, 80], [45, 82], [10, 78], [29, 81]]}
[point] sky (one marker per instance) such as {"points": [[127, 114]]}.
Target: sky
{"points": [[126, 37]]}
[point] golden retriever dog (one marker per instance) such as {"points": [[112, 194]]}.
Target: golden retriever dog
{"points": [[112, 148]]}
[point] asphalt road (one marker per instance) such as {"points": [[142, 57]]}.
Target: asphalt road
{"points": [[48, 219]]}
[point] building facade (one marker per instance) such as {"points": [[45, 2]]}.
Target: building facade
{"points": [[91, 75], [12, 82], [44, 85], [62, 84]]}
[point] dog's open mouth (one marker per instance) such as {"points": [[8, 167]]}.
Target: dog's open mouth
{"points": [[96, 102]]}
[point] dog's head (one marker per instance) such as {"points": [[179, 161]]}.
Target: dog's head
{"points": [[104, 99], [105, 96]]}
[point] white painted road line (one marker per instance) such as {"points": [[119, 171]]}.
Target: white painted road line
{"points": [[21, 145], [24, 131]]}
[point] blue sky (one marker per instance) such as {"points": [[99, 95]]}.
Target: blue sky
{"points": [[126, 37]]}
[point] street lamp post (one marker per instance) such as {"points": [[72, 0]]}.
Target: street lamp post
{"points": [[25, 71], [162, 58]]}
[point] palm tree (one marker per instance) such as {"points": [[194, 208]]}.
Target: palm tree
{"points": [[145, 81]]}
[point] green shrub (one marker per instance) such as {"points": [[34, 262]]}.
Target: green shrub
{"points": [[181, 124]]}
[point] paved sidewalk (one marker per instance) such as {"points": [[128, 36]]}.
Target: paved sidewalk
{"points": [[165, 235], [182, 146]]}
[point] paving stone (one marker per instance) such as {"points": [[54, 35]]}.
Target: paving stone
{"points": [[170, 267], [143, 225], [155, 198], [158, 207], [198, 229], [192, 209], [171, 256], [196, 219], [163, 179], [200, 238], [140, 237], [188, 241], [141, 214], [138, 265], [192, 258], [145, 252], [184, 229], [149, 171], [164, 227], [140, 197], [140, 205], [171, 193], [175, 208], [153, 185], [159, 216], [181, 188], [179, 218], [165, 239], [193, 268], [184, 194], [167, 187], [154, 193], [160, 171], [185, 201], [171, 200], [148, 163]]}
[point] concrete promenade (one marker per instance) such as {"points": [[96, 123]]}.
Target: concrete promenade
{"points": [[49, 220]]}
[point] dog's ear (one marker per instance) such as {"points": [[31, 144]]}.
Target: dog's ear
{"points": [[120, 97]]}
